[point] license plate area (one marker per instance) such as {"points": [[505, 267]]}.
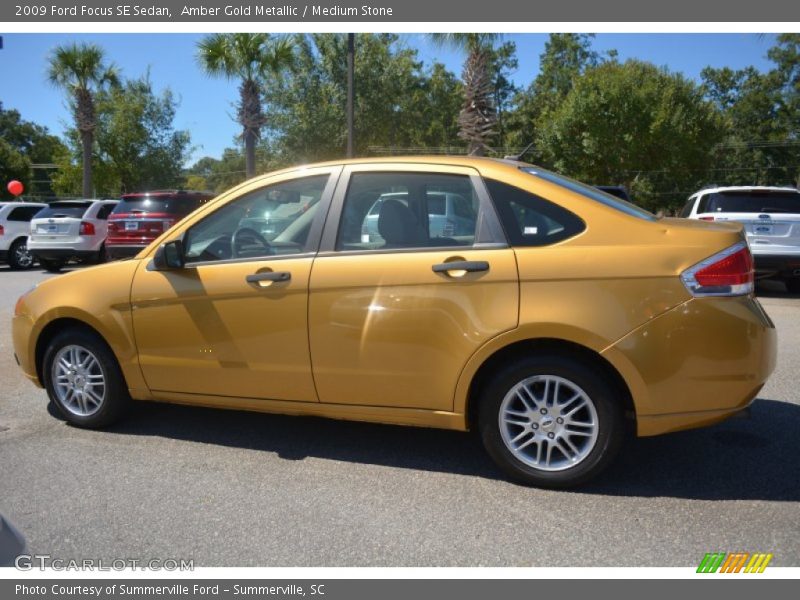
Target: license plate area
{"points": [[131, 225]]}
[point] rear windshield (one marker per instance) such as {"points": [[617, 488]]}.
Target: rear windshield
{"points": [[180, 205], [592, 193], [752, 202], [64, 209]]}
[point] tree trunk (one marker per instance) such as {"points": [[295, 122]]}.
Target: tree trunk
{"points": [[87, 140], [250, 152]]}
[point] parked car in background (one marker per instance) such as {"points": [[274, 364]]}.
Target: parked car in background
{"points": [[15, 218], [142, 217], [543, 329], [771, 218], [70, 230]]}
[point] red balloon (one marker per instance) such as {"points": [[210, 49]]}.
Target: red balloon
{"points": [[15, 188]]}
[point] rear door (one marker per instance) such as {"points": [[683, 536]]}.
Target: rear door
{"points": [[393, 321]]}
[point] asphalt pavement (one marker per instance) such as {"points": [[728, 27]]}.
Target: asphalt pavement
{"points": [[227, 488]]}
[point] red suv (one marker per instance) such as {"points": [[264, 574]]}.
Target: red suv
{"points": [[141, 217]]}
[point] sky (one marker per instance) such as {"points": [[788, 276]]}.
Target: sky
{"points": [[207, 105]]}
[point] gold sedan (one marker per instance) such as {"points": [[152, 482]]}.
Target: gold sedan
{"points": [[459, 293]]}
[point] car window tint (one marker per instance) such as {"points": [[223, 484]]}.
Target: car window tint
{"points": [[104, 211], [23, 213], [687, 208], [64, 209], [529, 220], [750, 201], [273, 220], [407, 210]]}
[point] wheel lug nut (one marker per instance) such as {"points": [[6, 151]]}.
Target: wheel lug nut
{"points": [[559, 420], [535, 426], [543, 411], [551, 435]]}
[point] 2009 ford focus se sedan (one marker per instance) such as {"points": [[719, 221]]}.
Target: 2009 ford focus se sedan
{"points": [[560, 320]]}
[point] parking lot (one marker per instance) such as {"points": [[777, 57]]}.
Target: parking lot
{"points": [[228, 488]]}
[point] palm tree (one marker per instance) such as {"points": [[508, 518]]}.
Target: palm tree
{"points": [[253, 58], [81, 71], [478, 117]]}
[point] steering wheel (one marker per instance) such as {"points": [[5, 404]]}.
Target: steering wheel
{"points": [[248, 233]]}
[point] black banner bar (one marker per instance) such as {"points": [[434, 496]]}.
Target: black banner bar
{"points": [[396, 11]]}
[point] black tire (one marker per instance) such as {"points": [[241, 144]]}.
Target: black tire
{"points": [[102, 255], [571, 375], [51, 265], [115, 397], [792, 285], [18, 255]]}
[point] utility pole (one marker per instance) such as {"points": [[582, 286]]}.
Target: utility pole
{"points": [[351, 92]]}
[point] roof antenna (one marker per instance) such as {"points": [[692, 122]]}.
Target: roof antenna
{"points": [[518, 157]]}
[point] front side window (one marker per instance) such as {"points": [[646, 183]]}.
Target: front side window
{"points": [[408, 210], [274, 220]]}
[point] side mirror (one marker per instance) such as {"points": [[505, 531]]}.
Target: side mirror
{"points": [[169, 256]]}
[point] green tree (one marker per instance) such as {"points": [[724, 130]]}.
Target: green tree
{"points": [[762, 115], [217, 175], [477, 120], [566, 57], [396, 103], [637, 125], [138, 147], [23, 143], [81, 71], [257, 59]]}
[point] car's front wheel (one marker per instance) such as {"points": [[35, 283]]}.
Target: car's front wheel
{"points": [[551, 421], [83, 379]]}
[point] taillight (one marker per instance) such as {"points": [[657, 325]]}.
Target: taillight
{"points": [[728, 273], [86, 228], [112, 226], [2, 231]]}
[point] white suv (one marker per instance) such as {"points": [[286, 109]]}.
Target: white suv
{"points": [[15, 218], [70, 229], [771, 218]]}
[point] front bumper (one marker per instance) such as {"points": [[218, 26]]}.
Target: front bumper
{"points": [[697, 364]]}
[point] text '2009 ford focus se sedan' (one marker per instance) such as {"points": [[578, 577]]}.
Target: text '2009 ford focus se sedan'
{"points": [[561, 319]]}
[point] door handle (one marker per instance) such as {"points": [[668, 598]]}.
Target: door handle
{"points": [[471, 266], [269, 276]]}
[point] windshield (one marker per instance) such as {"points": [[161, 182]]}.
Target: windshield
{"points": [[159, 204], [754, 202], [591, 192], [63, 209]]}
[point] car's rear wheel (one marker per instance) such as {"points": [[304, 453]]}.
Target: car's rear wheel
{"points": [[51, 265], [551, 421], [19, 257], [83, 379]]}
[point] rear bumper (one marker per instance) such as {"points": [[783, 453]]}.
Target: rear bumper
{"points": [[62, 253], [780, 265], [699, 363], [123, 251]]}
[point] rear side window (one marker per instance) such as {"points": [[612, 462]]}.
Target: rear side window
{"points": [[754, 202], [104, 211], [171, 205], [687, 208], [529, 220], [23, 213], [64, 209]]}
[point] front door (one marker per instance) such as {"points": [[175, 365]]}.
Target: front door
{"points": [[233, 321]]}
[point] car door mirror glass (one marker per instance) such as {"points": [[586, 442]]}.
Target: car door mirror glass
{"points": [[169, 256]]}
